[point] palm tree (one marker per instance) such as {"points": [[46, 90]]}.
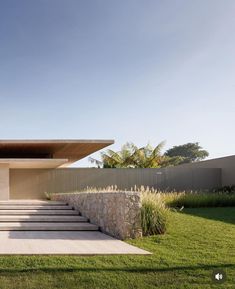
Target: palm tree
{"points": [[120, 159], [130, 156], [148, 157], [98, 163]]}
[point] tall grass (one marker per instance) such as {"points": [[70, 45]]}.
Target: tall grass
{"points": [[155, 205], [48, 195], [198, 199], [153, 214]]}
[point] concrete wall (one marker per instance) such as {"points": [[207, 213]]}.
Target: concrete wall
{"points": [[226, 164], [116, 213], [4, 182], [187, 178], [32, 183]]}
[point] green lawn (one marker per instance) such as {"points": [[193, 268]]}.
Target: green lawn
{"points": [[197, 241]]}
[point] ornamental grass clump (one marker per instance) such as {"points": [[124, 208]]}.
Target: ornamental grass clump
{"points": [[198, 199], [48, 195], [154, 214]]}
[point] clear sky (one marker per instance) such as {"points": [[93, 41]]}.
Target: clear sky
{"points": [[141, 71]]}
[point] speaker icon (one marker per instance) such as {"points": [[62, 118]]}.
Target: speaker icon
{"points": [[218, 276]]}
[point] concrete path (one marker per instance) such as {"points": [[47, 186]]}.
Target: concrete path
{"points": [[46, 227], [63, 242]]}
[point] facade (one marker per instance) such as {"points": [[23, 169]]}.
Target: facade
{"points": [[29, 168], [41, 154]]}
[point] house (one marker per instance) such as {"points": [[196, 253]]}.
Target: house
{"points": [[29, 155]]}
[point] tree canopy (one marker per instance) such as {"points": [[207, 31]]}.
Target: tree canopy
{"points": [[130, 156], [189, 152]]}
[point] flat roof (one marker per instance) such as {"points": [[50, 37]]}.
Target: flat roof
{"points": [[66, 149]]}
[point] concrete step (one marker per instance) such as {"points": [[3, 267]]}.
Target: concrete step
{"points": [[50, 226], [25, 218], [34, 207], [32, 202], [38, 212]]}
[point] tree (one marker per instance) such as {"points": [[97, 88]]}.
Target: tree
{"points": [[189, 152], [98, 163], [120, 159], [172, 161], [148, 157], [130, 156]]}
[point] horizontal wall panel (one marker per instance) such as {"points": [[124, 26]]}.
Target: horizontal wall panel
{"points": [[226, 164], [33, 183]]}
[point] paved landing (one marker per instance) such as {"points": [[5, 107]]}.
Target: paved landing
{"points": [[63, 242], [46, 227]]}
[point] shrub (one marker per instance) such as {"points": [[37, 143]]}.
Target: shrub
{"points": [[48, 195], [225, 189], [156, 204], [153, 214], [198, 199]]}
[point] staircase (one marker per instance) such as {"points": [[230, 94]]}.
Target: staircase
{"points": [[41, 216]]}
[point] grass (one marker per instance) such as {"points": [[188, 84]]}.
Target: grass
{"points": [[154, 214], [154, 211], [197, 241], [155, 204], [221, 197], [198, 199]]}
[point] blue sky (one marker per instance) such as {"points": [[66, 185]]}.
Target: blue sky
{"points": [[141, 71]]}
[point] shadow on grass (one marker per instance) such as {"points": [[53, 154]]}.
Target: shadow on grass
{"points": [[225, 214], [117, 269]]}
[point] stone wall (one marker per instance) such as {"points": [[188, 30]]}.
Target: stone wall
{"points": [[116, 213]]}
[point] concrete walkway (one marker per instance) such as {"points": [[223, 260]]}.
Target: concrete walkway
{"points": [[47, 227], [63, 242]]}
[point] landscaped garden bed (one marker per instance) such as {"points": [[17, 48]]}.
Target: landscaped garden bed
{"points": [[194, 242], [124, 214], [197, 241]]}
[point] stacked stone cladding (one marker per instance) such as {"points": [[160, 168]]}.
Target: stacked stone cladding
{"points": [[116, 213]]}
